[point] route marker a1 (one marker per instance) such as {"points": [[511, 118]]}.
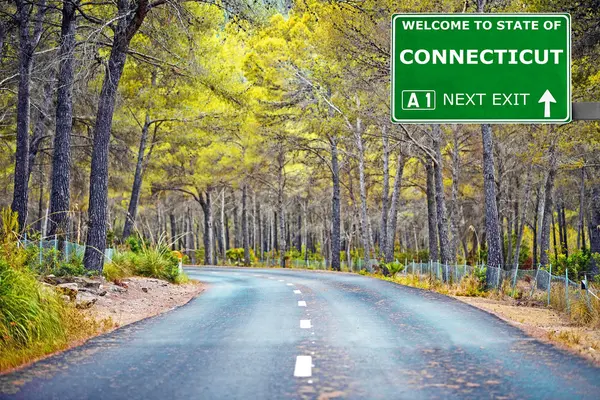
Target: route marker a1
{"points": [[481, 68]]}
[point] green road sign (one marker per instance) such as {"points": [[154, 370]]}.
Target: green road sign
{"points": [[476, 68]]}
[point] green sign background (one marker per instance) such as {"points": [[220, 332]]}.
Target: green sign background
{"points": [[481, 78]]}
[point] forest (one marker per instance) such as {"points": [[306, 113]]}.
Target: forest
{"points": [[262, 129]]}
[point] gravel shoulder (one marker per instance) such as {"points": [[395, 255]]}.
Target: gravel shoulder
{"points": [[544, 324], [138, 298]]}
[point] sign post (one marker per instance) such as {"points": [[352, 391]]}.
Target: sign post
{"points": [[481, 68]]}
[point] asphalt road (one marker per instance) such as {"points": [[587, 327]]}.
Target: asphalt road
{"points": [[276, 334]]}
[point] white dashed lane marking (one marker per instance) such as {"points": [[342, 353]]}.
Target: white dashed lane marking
{"points": [[297, 292], [305, 324], [303, 367], [289, 284], [301, 303]]}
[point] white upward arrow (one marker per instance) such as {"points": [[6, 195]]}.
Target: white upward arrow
{"points": [[547, 98]]}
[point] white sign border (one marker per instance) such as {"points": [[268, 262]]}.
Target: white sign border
{"points": [[566, 120]]}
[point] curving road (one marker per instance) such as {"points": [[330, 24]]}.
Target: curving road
{"points": [[276, 334]]}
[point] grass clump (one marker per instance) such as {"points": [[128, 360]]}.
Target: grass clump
{"points": [[153, 262]]}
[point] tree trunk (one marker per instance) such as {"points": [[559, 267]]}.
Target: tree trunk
{"points": [[455, 216], [280, 188], [594, 228], [509, 225], [245, 238], [335, 207], [130, 19], [173, 231], [390, 241], [548, 207], [27, 45], [580, 223], [442, 218], [492, 228], [260, 233], [523, 217], [40, 214], [137, 181], [299, 232], [41, 123], [431, 212], [61, 158], [564, 243], [223, 238], [364, 223], [385, 194], [554, 242], [206, 203], [535, 230]]}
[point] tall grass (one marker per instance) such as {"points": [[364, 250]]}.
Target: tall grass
{"points": [[34, 319], [155, 262]]}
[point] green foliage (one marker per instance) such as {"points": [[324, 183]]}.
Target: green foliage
{"points": [[395, 267], [577, 263], [135, 243], [34, 319], [408, 256], [235, 256], [156, 262], [54, 263], [121, 266]]}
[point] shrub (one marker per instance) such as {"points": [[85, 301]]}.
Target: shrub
{"points": [[236, 256], [158, 262], [394, 267]]}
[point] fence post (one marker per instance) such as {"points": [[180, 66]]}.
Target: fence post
{"points": [[587, 294], [456, 271], [515, 280], [534, 286], [41, 251], [567, 290], [497, 277], [549, 284], [67, 247]]}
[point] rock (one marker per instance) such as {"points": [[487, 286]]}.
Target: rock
{"points": [[87, 283], [85, 300], [68, 289], [102, 292], [56, 280], [118, 289], [66, 298], [121, 283], [145, 289]]}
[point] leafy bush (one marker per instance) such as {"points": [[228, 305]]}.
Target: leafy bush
{"points": [[394, 267], [135, 243], [577, 263], [53, 263], [236, 256]]}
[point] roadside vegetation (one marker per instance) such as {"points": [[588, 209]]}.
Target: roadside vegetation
{"points": [[37, 318], [139, 258], [34, 318]]}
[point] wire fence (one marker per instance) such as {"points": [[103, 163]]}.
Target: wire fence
{"points": [[66, 248], [539, 285]]}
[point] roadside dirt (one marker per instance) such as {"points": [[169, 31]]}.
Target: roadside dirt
{"points": [[544, 324], [138, 298]]}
